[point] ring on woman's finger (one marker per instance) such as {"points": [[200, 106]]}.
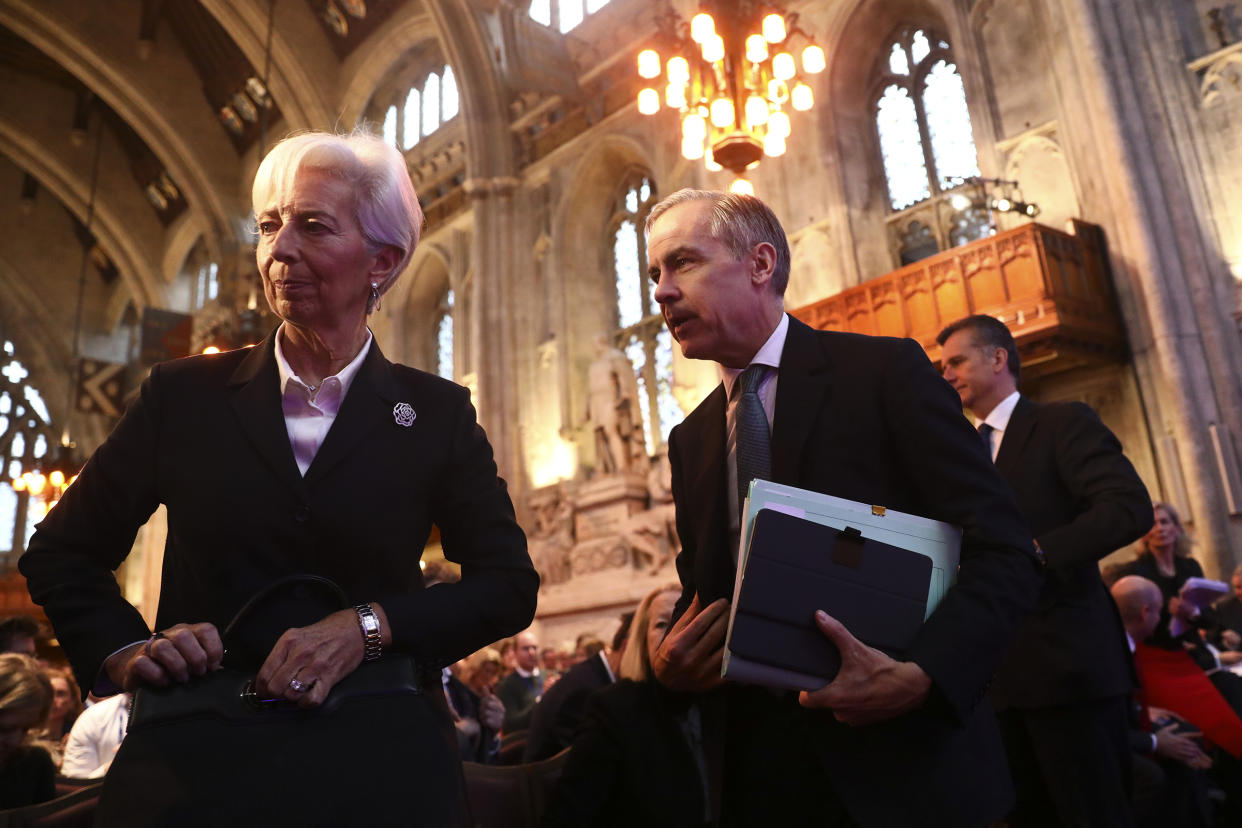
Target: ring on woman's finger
{"points": [[300, 686], [146, 648]]}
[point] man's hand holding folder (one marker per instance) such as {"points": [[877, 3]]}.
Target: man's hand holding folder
{"points": [[870, 687], [688, 659]]}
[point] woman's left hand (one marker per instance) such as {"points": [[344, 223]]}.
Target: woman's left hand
{"points": [[307, 662]]}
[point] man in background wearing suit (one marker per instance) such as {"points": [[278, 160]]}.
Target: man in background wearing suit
{"points": [[559, 712], [1061, 693], [887, 742]]}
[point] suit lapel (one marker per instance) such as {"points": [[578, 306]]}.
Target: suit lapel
{"points": [[366, 409], [1017, 432], [256, 401], [802, 390]]}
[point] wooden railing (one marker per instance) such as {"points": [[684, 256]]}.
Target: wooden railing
{"points": [[1052, 289]]}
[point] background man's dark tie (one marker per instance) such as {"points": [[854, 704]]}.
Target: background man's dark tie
{"points": [[985, 432]]}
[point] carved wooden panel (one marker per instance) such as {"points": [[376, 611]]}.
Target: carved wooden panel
{"points": [[1051, 288]]}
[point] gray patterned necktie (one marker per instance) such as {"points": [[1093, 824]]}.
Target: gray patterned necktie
{"points": [[754, 451]]}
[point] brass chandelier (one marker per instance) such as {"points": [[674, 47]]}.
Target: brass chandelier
{"points": [[732, 76]]}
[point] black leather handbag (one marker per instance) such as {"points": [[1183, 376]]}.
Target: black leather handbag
{"points": [[379, 751]]}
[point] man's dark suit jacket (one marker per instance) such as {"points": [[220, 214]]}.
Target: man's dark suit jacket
{"points": [[1082, 499], [559, 712], [868, 418], [519, 696], [206, 437]]}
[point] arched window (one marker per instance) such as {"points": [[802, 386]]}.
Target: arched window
{"points": [[431, 104], [411, 118], [642, 334], [444, 338], [563, 15], [426, 105], [24, 424], [926, 143]]}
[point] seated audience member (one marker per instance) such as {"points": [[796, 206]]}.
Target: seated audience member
{"points": [[519, 690], [483, 671], [18, 635], [586, 646], [1169, 785], [477, 718], [66, 705], [508, 656], [95, 738], [27, 773], [1226, 633], [1164, 559], [635, 759], [559, 712]]}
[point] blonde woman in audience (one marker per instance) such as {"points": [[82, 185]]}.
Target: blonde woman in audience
{"points": [[27, 773], [634, 759]]}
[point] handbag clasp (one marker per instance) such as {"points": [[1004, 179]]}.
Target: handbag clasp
{"points": [[252, 699]]}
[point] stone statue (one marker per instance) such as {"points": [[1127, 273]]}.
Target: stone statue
{"points": [[552, 539], [613, 411], [652, 534]]}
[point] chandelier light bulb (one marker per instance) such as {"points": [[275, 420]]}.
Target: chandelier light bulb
{"points": [[693, 127], [702, 27], [778, 91], [648, 64], [35, 483], [1004, 205], [675, 96], [773, 28], [959, 202], [678, 70], [722, 113], [756, 49], [648, 101], [783, 66], [57, 477], [691, 150], [778, 125], [756, 111], [742, 187], [713, 49], [801, 97], [813, 60], [773, 145], [19, 484]]}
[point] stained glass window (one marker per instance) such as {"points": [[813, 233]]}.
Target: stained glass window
{"points": [[626, 266], [411, 118], [563, 15], [902, 148], [642, 333], [24, 425], [390, 126], [948, 124], [431, 104], [897, 62], [541, 12], [922, 122], [444, 339], [448, 98]]}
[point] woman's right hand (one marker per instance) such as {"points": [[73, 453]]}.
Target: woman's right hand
{"points": [[171, 656]]}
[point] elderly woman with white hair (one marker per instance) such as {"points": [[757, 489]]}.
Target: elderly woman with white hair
{"points": [[308, 454]]}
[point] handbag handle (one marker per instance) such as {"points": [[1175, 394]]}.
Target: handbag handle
{"points": [[291, 601]]}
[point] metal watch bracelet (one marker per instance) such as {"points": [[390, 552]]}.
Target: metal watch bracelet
{"points": [[369, 623]]}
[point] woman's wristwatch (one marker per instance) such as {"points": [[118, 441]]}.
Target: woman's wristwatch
{"points": [[369, 623]]}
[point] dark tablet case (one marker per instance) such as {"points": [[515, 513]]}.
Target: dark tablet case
{"points": [[796, 566]]}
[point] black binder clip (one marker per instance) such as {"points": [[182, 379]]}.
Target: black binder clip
{"points": [[848, 549]]}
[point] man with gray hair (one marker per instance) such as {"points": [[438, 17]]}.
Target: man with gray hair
{"points": [[864, 418]]}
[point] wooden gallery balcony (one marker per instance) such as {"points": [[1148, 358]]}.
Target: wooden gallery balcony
{"points": [[1053, 289]]}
